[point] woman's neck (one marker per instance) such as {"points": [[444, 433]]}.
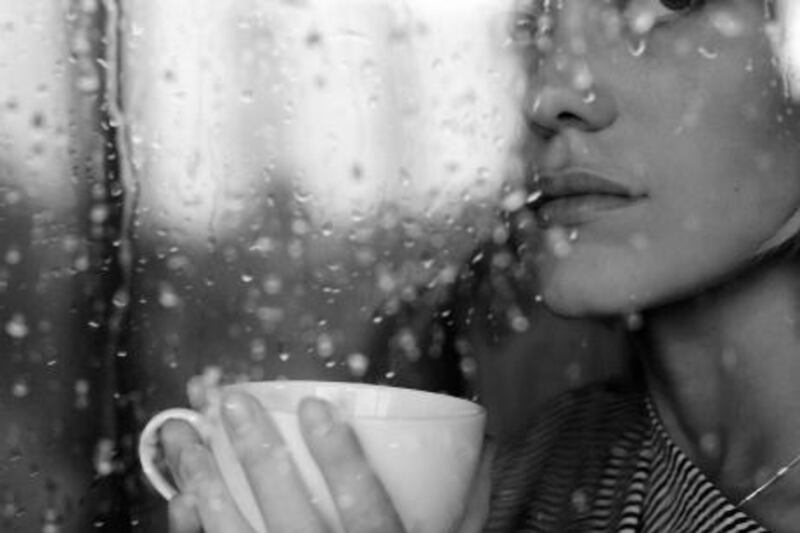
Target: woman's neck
{"points": [[724, 372]]}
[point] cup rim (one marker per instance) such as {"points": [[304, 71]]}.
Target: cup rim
{"points": [[471, 409]]}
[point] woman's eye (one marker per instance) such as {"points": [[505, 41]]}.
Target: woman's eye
{"points": [[678, 5], [644, 15]]}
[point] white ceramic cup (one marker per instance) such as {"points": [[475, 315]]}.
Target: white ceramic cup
{"points": [[424, 447]]}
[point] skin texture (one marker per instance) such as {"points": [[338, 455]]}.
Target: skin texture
{"points": [[697, 123]]}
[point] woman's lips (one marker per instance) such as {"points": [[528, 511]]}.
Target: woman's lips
{"points": [[577, 197]]}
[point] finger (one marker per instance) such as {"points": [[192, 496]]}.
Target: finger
{"points": [[361, 498], [478, 504], [281, 494], [204, 486], [175, 436], [183, 516], [197, 392]]}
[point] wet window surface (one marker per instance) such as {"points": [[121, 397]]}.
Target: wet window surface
{"points": [[195, 193]]}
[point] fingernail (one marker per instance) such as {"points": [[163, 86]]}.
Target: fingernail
{"points": [[319, 415], [237, 412]]}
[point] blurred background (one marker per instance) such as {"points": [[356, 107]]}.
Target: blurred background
{"points": [[202, 192]]}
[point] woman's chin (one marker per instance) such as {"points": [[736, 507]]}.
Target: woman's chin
{"points": [[590, 299]]}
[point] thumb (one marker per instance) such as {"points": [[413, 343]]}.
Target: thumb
{"points": [[183, 515]]}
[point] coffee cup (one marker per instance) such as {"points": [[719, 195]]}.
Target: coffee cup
{"points": [[424, 447]]}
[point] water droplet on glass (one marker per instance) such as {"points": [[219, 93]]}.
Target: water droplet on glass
{"points": [[104, 457], [272, 284], [515, 200], [519, 323], [13, 256], [707, 53], [167, 296], [357, 364], [301, 195], [533, 197], [81, 394], [88, 83], [20, 388], [638, 47], [325, 346], [17, 327], [247, 96], [634, 321], [558, 242], [468, 367], [573, 235]]}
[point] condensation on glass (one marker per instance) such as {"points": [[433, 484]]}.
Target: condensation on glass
{"points": [[194, 192]]}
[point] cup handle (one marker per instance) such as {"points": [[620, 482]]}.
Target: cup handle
{"points": [[148, 446]]}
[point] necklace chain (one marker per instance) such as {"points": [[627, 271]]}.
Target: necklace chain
{"points": [[771, 481], [774, 478]]}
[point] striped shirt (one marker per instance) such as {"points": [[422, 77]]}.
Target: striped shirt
{"points": [[599, 460]]}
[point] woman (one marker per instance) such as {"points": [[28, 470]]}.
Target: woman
{"points": [[665, 170]]}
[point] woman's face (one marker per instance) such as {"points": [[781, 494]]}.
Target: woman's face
{"points": [[663, 158]]}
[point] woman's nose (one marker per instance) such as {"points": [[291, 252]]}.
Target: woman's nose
{"points": [[555, 104], [565, 87]]}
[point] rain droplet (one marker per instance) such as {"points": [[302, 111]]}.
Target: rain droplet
{"points": [[573, 235], [13, 256], [325, 346], [707, 53], [38, 120], [468, 367], [301, 195], [273, 284], [634, 321], [637, 48], [88, 83], [20, 388], [357, 364], [17, 327], [533, 197], [520, 323], [514, 201], [557, 240], [247, 96], [81, 394], [104, 457], [167, 296]]}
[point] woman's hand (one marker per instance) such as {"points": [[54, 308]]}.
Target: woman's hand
{"points": [[205, 504]]}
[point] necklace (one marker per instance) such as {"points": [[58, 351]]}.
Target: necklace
{"points": [[774, 478], [771, 481]]}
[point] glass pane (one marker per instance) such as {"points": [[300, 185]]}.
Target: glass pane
{"points": [[55, 407]]}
